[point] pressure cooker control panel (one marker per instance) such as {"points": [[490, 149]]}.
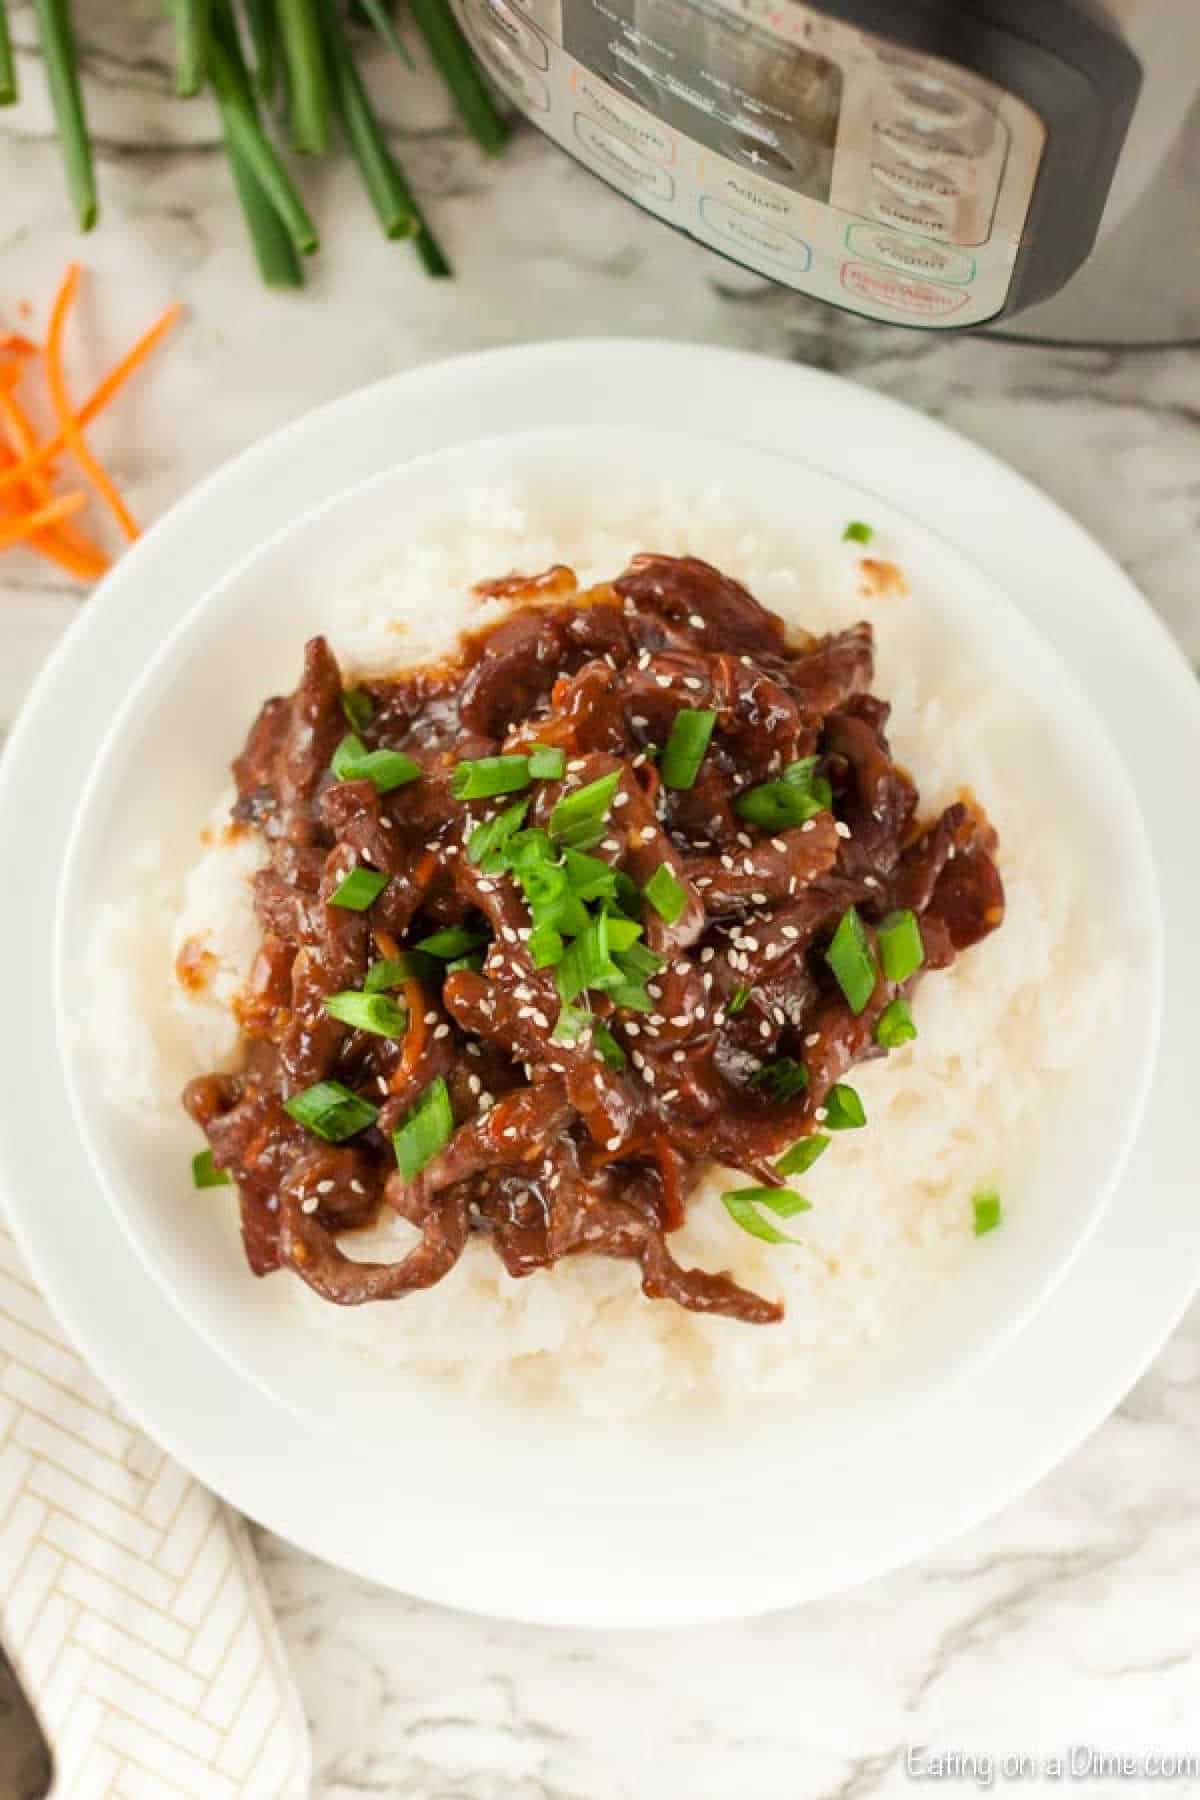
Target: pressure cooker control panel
{"points": [[819, 154]]}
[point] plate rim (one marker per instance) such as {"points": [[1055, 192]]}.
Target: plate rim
{"points": [[648, 371]]}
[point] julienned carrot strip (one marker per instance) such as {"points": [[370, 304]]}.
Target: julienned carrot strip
{"points": [[81, 556], [17, 344], [414, 1037], [68, 424], [97, 401], [63, 544], [27, 524]]}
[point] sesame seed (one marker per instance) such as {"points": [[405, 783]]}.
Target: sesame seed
{"points": [[524, 1012], [611, 844], [433, 844], [643, 661], [508, 934], [842, 829], [485, 1101], [791, 931], [442, 1031], [791, 884], [639, 1061], [719, 1017], [727, 862], [749, 943], [748, 865], [648, 1075], [748, 661], [745, 839], [707, 954], [814, 1037], [679, 1020], [576, 763], [758, 899], [613, 1143], [510, 1131], [671, 1094], [648, 834], [703, 881], [773, 950], [678, 1056], [656, 1018], [541, 1021], [779, 1016], [778, 844], [310, 1205], [621, 800], [357, 1187], [707, 981], [451, 849], [640, 721], [654, 991], [695, 621], [809, 825], [664, 681], [474, 1083], [693, 682], [821, 1114], [870, 881], [764, 1030], [325, 1187], [381, 1084], [633, 1029]]}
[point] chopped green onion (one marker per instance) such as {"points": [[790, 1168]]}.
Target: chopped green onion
{"points": [[473, 962], [743, 1203], [623, 933], [546, 763], [572, 1022], [357, 890], [391, 971], [545, 946], [607, 1047], [782, 1078], [631, 995], [895, 1025], [987, 1209], [803, 1154], [587, 963], [666, 895], [738, 1001], [494, 833], [427, 1128], [844, 1111], [376, 1013], [578, 818], [858, 533], [900, 948], [455, 940], [384, 769], [777, 805], [358, 708], [589, 877], [852, 961], [638, 962], [331, 1111], [685, 748], [205, 1173], [489, 775]]}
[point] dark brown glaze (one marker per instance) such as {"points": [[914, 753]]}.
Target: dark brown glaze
{"points": [[555, 1153]]}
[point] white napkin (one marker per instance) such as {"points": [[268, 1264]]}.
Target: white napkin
{"points": [[131, 1604]]}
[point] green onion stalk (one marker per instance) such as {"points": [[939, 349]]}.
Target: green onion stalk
{"points": [[301, 64]]}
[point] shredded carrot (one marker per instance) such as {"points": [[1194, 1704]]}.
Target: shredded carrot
{"points": [[386, 943], [116, 378], [68, 424], [26, 525], [17, 344], [414, 1037], [67, 546]]}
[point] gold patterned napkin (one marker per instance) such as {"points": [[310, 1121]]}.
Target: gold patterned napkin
{"points": [[131, 1604]]}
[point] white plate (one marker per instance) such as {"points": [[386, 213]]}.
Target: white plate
{"points": [[965, 1456], [186, 718]]}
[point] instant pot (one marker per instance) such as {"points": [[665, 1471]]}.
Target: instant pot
{"points": [[1029, 165]]}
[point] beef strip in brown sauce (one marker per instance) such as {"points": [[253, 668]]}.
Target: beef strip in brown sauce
{"points": [[554, 1152]]}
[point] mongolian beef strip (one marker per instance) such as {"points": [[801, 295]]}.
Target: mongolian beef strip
{"points": [[624, 889]]}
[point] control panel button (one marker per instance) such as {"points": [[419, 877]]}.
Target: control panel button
{"points": [[913, 256], [765, 158], [616, 157], [756, 238], [513, 74], [901, 294], [931, 221], [926, 105], [911, 183], [498, 19], [650, 135], [924, 148]]}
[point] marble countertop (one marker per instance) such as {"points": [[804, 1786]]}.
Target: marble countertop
{"points": [[1072, 1618]]}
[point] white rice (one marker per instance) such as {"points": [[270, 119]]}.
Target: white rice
{"points": [[892, 1214]]}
